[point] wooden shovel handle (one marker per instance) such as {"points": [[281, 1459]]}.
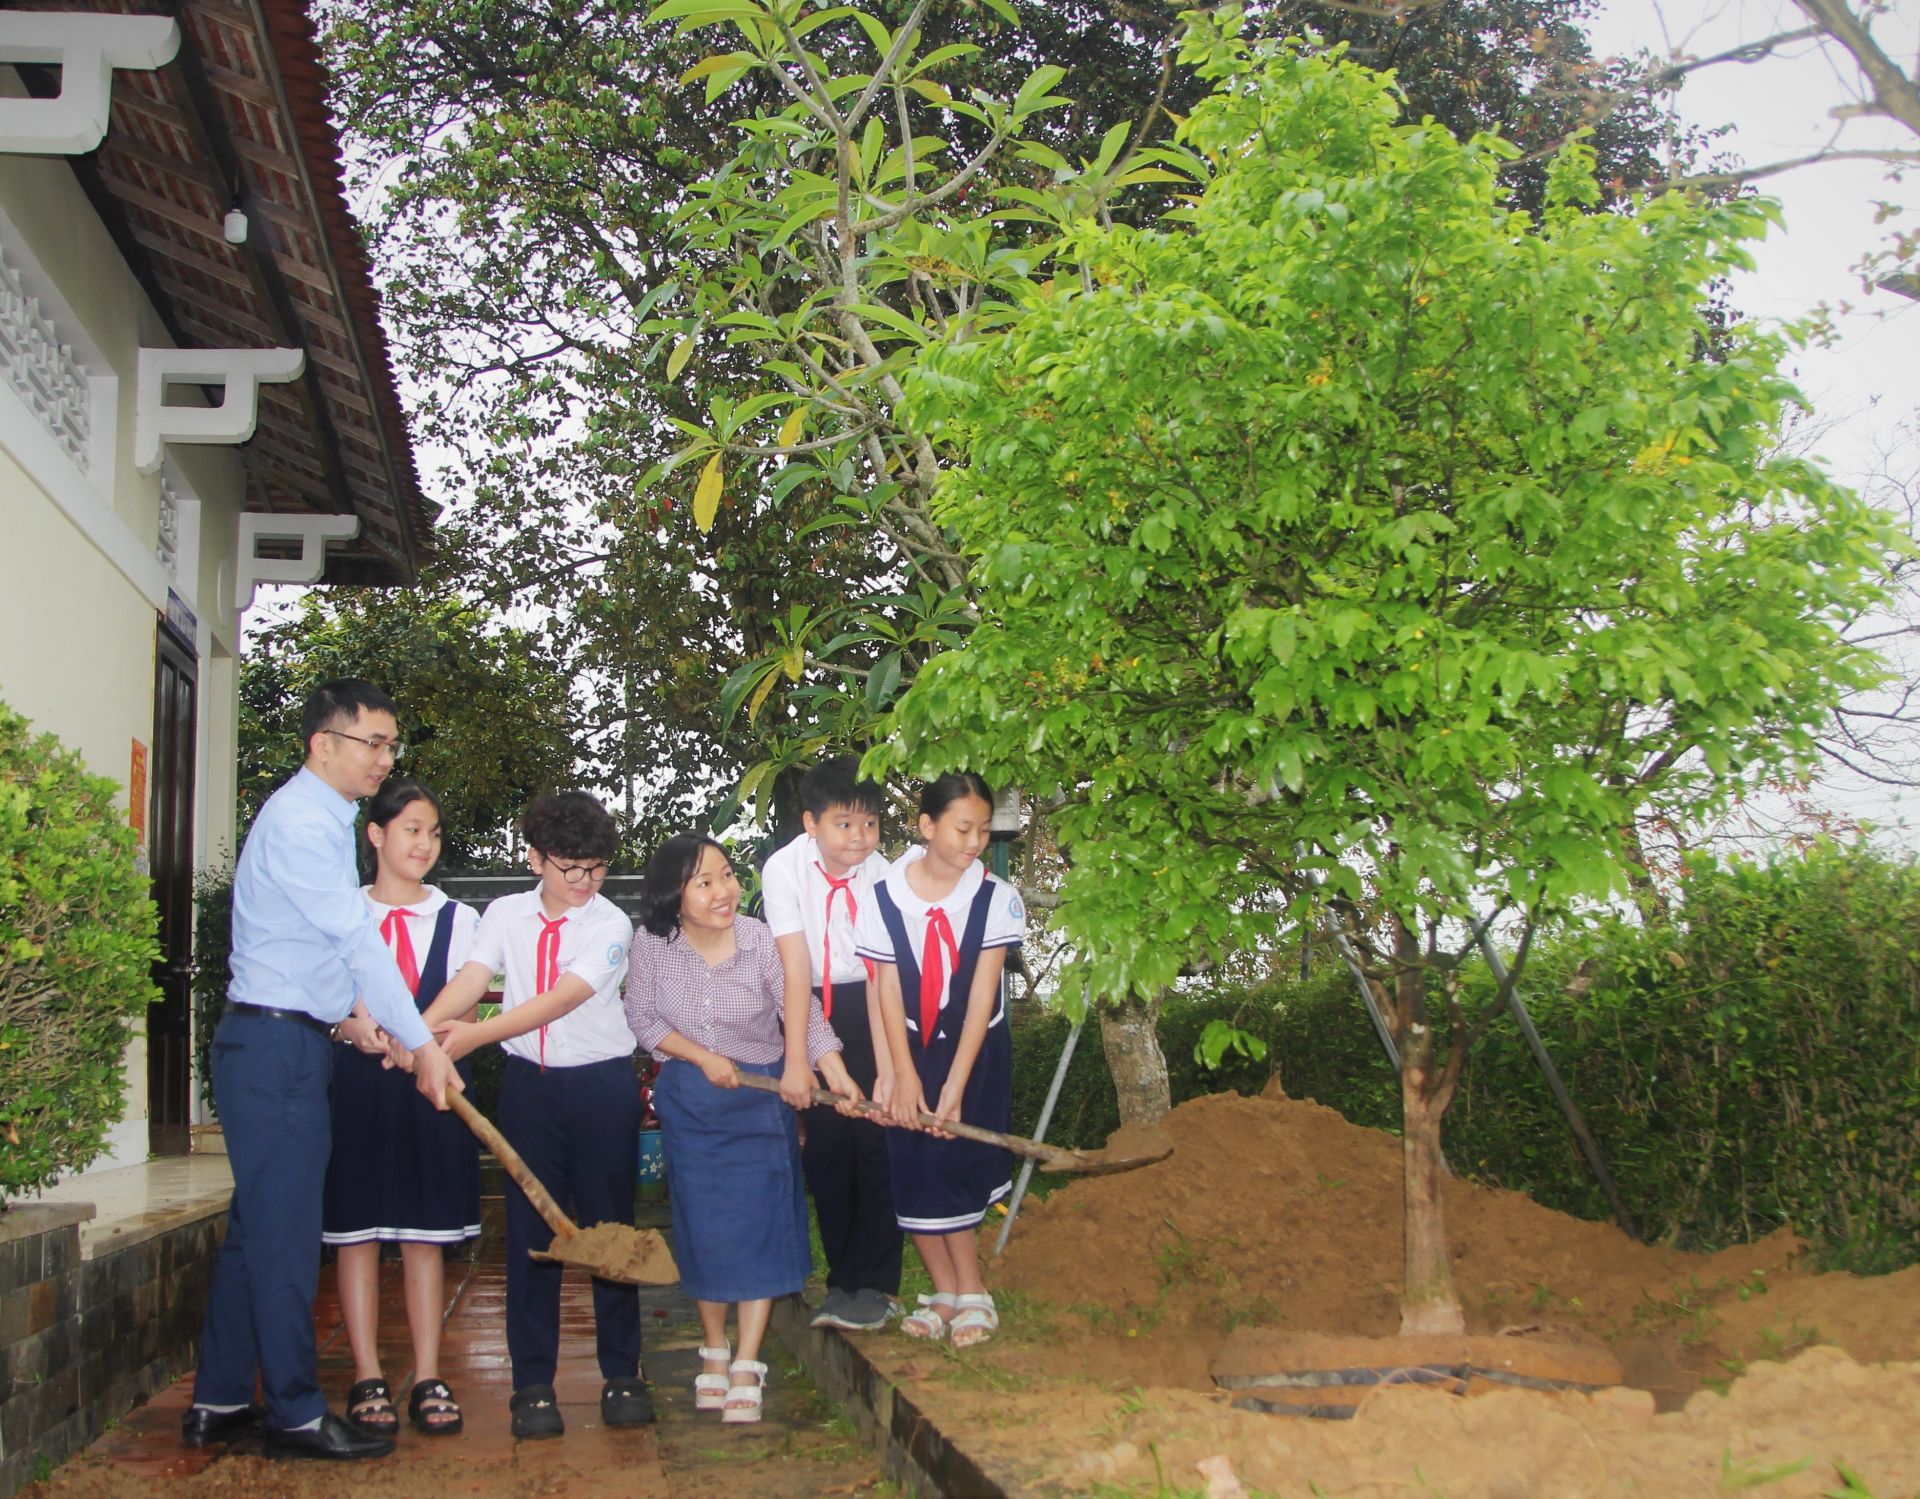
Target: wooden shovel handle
{"points": [[509, 1158], [1018, 1144]]}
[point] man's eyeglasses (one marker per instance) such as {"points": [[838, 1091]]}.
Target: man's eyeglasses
{"points": [[573, 874], [393, 747]]}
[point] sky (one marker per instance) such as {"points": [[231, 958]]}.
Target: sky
{"points": [[1865, 387]]}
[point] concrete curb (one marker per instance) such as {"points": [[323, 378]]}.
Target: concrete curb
{"points": [[916, 1454]]}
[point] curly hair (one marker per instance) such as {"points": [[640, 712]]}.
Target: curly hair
{"points": [[570, 825]]}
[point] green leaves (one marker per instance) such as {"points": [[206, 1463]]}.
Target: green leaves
{"points": [[77, 946], [1358, 529]]}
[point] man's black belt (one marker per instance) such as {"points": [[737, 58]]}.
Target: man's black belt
{"points": [[266, 1012]]}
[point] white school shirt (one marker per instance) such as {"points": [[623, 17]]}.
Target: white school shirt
{"points": [[420, 918], [1006, 923], [593, 946], [796, 895]]}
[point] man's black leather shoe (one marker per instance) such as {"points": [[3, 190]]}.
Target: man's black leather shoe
{"points": [[200, 1426], [332, 1438]]}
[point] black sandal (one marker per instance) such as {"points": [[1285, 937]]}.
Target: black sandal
{"points": [[432, 1409], [370, 1408], [536, 1413]]}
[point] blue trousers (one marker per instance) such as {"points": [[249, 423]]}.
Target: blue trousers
{"points": [[270, 1081], [578, 1129]]}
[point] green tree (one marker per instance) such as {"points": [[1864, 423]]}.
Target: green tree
{"points": [[485, 709], [1366, 538], [696, 249], [586, 206]]}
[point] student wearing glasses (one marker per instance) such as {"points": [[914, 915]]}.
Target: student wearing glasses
{"points": [[569, 1100]]}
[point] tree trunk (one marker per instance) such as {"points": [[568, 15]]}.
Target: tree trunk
{"points": [[1428, 1300], [1134, 1057]]}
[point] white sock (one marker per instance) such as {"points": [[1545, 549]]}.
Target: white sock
{"points": [[218, 1410]]}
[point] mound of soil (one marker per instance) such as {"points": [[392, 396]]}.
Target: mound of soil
{"points": [[1120, 1294]]}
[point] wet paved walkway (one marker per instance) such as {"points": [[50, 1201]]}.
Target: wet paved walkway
{"points": [[802, 1447]]}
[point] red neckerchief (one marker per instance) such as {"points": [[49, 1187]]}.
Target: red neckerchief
{"points": [[933, 979], [546, 969], [393, 931], [835, 887]]}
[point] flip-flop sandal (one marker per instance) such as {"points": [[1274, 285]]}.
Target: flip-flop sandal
{"points": [[370, 1408], [432, 1409]]}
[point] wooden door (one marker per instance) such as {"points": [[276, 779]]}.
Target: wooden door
{"points": [[170, 846]]}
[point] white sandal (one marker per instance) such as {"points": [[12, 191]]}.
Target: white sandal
{"points": [[977, 1321], [743, 1400], [927, 1322], [710, 1390]]}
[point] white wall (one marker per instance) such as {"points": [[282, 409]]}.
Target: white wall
{"points": [[81, 587]]}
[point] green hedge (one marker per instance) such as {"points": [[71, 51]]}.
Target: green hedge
{"points": [[212, 948], [77, 948], [1755, 1064]]}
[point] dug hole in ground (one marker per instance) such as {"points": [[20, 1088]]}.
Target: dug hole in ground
{"points": [[1121, 1296]]}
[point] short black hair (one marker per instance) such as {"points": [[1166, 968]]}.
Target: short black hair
{"points": [[570, 825], [664, 880], [340, 701], [836, 783]]}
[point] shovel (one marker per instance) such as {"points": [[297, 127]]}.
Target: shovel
{"points": [[1134, 1146], [612, 1251]]}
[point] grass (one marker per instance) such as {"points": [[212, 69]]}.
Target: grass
{"points": [[1259, 1312], [958, 1368], [1024, 1315], [1735, 1476], [1690, 1309]]}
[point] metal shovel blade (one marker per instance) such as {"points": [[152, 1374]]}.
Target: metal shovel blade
{"points": [[612, 1251]]}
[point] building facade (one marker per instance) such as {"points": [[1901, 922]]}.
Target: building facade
{"points": [[195, 398]]}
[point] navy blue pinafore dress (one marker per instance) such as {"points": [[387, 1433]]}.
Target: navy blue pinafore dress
{"points": [[400, 1169], [946, 1186]]}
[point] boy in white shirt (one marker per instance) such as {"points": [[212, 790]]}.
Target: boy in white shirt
{"points": [[812, 889], [569, 1099]]}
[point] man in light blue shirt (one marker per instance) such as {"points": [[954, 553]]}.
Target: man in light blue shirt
{"points": [[304, 945]]}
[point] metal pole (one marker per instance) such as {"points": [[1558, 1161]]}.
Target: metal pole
{"points": [[1588, 1147], [1367, 998], [1353, 967], [1039, 1133]]}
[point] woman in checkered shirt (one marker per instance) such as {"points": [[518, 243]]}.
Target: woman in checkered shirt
{"points": [[706, 995]]}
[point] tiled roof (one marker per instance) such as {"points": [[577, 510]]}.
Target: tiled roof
{"points": [[240, 116]]}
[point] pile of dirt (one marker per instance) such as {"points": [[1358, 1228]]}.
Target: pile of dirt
{"points": [[1120, 1295], [1280, 1214]]}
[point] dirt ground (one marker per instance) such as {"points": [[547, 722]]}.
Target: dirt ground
{"points": [[1744, 1370]]}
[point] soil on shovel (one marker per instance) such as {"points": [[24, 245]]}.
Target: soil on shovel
{"points": [[620, 1252], [1276, 1224]]}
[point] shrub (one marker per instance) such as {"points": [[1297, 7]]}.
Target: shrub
{"points": [[77, 946], [212, 950], [1754, 1064]]}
